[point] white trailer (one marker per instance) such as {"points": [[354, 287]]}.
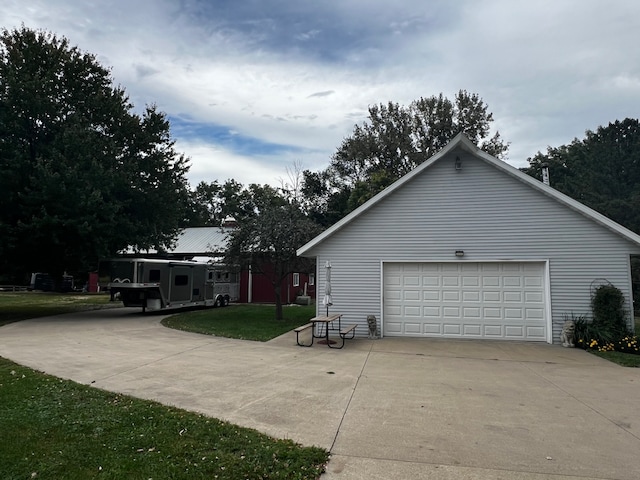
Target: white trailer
{"points": [[168, 284]]}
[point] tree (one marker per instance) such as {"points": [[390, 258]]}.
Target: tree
{"points": [[82, 175], [269, 237], [395, 140], [602, 170]]}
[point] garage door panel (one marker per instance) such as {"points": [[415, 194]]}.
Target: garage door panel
{"points": [[492, 312], [412, 295], [473, 296], [430, 281], [534, 313], [512, 331], [493, 331], [533, 297], [432, 329], [452, 329], [465, 299], [512, 282], [451, 312], [433, 312], [470, 281], [413, 311], [491, 281], [411, 281], [512, 297], [536, 332], [394, 310], [491, 296], [393, 327], [533, 282], [472, 330], [513, 314], [450, 281], [431, 295], [471, 312], [451, 296], [413, 328]]}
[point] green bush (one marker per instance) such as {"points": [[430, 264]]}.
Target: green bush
{"points": [[608, 331], [586, 332], [607, 306]]}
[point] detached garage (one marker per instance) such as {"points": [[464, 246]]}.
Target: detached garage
{"points": [[466, 246]]}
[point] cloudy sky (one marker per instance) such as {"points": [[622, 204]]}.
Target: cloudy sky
{"points": [[253, 86]]}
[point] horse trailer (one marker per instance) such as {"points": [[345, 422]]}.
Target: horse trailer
{"points": [[154, 284]]}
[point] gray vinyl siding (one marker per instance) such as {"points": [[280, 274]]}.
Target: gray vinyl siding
{"points": [[490, 215]]}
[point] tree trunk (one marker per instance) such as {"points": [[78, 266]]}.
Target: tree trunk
{"points": [[278, 292]]}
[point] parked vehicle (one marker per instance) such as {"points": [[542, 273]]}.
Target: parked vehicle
{"points": [[44, 282], [154, 284]]}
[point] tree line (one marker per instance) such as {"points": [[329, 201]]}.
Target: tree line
{"points": [[83, 176]]}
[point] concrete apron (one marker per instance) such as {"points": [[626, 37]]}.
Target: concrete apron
{"points": [[390, 408]]}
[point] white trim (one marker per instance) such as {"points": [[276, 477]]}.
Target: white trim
{"points": [[632, 314], [547, 293], [462, 142], [381, 332], [546, 274]]}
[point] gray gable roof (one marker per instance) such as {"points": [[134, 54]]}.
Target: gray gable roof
{"points": [[197, 241], [463, 143]]}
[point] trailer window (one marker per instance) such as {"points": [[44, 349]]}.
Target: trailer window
{"points": [[312, 279], [154, 275], [181, 280], [296, 279]]}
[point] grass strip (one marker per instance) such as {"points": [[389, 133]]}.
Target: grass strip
{"points": [[246, 322], [54, 428], [16, 306], [621, 358]]}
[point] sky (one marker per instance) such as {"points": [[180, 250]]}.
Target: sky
{"points": [[255, 89]]}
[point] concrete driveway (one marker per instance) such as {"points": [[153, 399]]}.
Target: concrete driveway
{"points": [[390, 408]]}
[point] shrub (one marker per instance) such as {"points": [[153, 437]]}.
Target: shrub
{"points": [[607, 306], [592, 334], [608, 331]]}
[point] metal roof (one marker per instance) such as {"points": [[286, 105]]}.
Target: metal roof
{"points": [[196, 241]]}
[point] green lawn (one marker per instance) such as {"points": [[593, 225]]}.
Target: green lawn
{"points": [[247, 322], [16, 306], [54, 429], [624, 359]]}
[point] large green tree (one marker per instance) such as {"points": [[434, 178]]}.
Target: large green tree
{"points": [[82, 176], [269, 236], [393, 141], [602, 170]]}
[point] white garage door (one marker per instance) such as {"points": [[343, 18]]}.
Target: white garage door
{"points": [[471, 300]]}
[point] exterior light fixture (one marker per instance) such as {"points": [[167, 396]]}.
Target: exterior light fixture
{"points": [[458, 163], [459, 253]]}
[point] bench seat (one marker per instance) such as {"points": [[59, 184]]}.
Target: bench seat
{"points": [[348, 330], [300, 329]]}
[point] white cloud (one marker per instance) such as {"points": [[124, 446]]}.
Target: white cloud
{"points": [[301, 74]]}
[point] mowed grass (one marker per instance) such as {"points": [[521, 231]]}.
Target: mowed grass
{"points": [[57, 429], [16, 306], [247, 322], [622, 358]]}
